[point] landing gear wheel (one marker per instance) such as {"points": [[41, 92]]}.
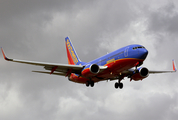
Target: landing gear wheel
{"points": [[116, 85], [87, 83], [120, 85], [90, 83]]}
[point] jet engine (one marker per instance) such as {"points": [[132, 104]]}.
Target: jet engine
{"points": [[90, 70], [142, 73]]}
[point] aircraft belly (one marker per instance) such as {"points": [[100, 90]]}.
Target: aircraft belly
{"points": [[114, 70], [118, 66]]}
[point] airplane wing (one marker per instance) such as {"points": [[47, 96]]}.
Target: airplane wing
{"points": [[174, 69], [63, 68], [130, 72], [156, 71]]}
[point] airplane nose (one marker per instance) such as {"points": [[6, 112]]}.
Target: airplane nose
{"points": [[143, 53]]}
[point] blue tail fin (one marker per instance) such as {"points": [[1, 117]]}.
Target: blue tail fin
{"points": [[73, 58]]}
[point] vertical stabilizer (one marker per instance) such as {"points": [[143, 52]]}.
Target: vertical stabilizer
{"points": [[72, 56]]}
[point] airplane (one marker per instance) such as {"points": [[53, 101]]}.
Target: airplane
{"points": [[121, 63]]}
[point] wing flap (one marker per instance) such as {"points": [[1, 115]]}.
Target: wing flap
{"points": [[55, 73]]}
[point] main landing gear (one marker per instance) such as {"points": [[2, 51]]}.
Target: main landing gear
{"points": [[90, 83], [118, 84]]}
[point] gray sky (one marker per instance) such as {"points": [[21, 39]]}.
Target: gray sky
{"points": [[35, 30]]}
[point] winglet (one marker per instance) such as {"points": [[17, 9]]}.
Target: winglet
{"points": [[174, 65], [5, 56]]}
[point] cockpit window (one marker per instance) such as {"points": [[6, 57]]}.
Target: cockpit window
{"points": [[138, 47]]}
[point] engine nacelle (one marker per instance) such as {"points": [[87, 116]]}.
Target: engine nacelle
{"points": [[143, 73], [90, 70]]}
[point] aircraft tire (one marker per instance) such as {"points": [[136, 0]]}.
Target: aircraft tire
{"points": [[116, 85], [87, 83], [120, 85], [92, 83]]}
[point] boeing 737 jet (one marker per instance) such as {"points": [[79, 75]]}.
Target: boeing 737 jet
{"points": [[121, 63]]}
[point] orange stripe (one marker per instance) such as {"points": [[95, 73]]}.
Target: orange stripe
{"points": [[70, 60], [3, 54]]}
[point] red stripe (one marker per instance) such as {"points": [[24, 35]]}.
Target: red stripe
{"points": [[173, 65], [114, 67], [70, 60]]}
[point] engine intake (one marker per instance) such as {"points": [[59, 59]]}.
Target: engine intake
{"points": [[94, 68], [144, 72], [90, 70]]}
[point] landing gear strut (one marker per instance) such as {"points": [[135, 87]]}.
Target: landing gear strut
{"points": [[90, 83], [118, 84]]}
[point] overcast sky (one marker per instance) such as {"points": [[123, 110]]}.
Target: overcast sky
{"points": [[36, 29]]}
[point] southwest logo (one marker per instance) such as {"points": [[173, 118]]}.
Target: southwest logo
{"points": [[72, 52]]}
